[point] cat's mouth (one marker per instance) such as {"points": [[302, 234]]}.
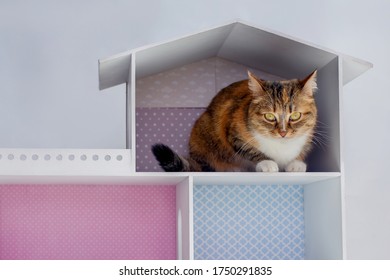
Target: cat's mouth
{"points": [[284, 136]]}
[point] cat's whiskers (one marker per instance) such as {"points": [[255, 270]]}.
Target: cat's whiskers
{"points": [[320, 123], [321, 139], [318, 143], [322, 133], [244, 146]]}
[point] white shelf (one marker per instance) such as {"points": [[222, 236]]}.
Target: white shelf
{"points": [[158, 178], [263, 178], [133, 179], [65, 162]]}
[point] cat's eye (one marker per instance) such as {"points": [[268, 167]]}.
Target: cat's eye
{"points": [[295, 116], [270, 117]]}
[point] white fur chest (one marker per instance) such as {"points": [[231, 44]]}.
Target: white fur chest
{"points": [[282, 151]]}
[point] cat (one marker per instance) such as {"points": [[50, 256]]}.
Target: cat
{"points": [[251, 125]]}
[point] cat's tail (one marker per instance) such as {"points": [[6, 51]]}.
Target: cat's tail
{"points": [[169, 160]]}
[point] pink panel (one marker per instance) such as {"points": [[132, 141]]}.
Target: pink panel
{"points": [[87, 222]]}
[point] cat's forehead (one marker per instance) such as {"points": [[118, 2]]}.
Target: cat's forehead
{"points": [[282, 92], [279, 87], [282, 96]]}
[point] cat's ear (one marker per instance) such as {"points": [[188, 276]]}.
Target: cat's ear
{"points": [[254, 84], [309, 84]]}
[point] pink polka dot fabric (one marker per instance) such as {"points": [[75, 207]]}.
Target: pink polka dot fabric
{"points": [[87, 222], [171, 126]]}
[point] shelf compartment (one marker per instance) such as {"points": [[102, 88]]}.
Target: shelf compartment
{"points": [[268, 221], [88, 222], [248, 222], [29, 204], [168, 104]]}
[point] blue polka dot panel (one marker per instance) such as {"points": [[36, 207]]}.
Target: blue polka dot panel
{"points": [[248, 222]]}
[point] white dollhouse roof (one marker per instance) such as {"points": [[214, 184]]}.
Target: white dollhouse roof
{"points": [[239, 42]]}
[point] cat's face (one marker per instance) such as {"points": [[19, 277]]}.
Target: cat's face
{"points": [[285, 109]]}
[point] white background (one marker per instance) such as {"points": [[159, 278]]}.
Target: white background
{"points": [[49, 94]]}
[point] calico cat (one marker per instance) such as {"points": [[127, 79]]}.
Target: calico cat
{"points": [[251, 125]]}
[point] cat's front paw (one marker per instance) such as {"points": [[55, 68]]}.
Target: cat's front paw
{"points": [[296, 166], [267, 166]]}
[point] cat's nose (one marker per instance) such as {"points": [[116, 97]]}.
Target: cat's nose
{"points": [[282, 133]]}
